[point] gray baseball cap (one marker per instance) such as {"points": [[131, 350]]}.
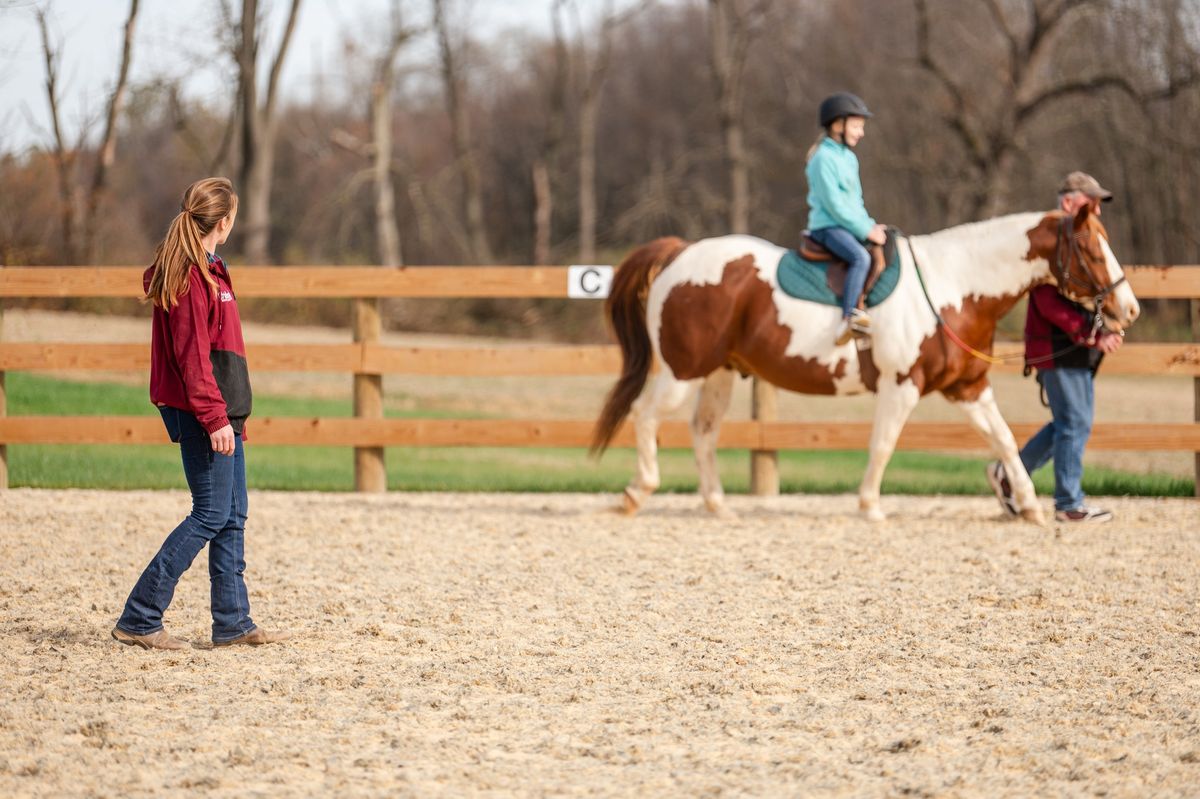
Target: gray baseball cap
{"points": [[1086, 184]]}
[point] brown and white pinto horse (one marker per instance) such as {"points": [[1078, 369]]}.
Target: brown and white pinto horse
{"points": [[708, 309]]}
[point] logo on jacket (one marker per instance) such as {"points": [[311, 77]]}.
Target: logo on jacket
{"points": [[226, 296]]}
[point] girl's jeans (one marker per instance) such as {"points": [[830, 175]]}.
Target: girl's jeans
{"points": [[1071, 398], [841, 242], [218, 518]]}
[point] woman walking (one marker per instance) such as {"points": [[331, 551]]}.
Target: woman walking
{"points": [[200, 383]]}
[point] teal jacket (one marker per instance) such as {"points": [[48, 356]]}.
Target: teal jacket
{"points": [[835, 197]]}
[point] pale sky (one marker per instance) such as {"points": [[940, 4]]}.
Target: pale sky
{"points": [[170, 39]]}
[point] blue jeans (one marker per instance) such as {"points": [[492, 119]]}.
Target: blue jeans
{"points": [[844, 245], [218, 518], [1071, 398]]}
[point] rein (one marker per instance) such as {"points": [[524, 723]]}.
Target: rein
{"points": [[1065, 233]]}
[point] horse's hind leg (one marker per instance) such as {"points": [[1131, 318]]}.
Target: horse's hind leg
{"points": [[711, 406], [892, 408], [984, 415], [664, 395]]}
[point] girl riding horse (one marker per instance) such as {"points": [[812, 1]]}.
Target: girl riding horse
{"points": [[838, 218]]}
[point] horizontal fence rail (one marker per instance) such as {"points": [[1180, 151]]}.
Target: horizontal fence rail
{"points": [[333, 282], [737, 434], [532, 361], [367, 359]]}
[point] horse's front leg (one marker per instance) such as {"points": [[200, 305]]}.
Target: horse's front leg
{"points": [[662, 396], [711, 406], [984, 415], [892, 408]]}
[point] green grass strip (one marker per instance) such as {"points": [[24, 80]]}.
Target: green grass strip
{"points": [[472, 468]]}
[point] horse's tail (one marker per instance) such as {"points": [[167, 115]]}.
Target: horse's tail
{"points": [[626, 312]]}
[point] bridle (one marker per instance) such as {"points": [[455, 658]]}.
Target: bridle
{"points": [[1067, 251]]}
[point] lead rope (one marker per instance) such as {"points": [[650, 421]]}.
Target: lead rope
{"points": [[983, 356], [1097, 321]]}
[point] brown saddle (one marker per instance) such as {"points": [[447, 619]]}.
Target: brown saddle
{"points": [[835, 273]]}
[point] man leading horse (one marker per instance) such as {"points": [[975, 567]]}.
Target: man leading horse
{"points": [[1064, 346]]}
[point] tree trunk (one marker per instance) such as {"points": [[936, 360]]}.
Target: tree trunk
{"points": [[387, 234], [729, 37], [998, 178], [543, 207], [63, 156], [547, 160], [473, 185], [739, 178], [464, 153], [108, 145], [253, 205], [256, 202], [587, 179], [259, 128]]}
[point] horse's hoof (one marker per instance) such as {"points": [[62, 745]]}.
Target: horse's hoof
{"points": [[1034, 514], [629, 505], [720, 510], [874, 514]]}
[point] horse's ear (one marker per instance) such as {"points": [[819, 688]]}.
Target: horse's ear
{"points": [[1043, 238], [1081, 216]]}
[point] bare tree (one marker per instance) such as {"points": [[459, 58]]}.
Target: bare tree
{"points": [[593, 69], [78, 214], [63, 155], [108, 144], [259, 123], [198, 141], [465, 154], [731, 27], [386, 231], [991, 135], [547, 157]]}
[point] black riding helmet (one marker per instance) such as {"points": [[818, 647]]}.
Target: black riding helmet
{"points": [[842, 104]]}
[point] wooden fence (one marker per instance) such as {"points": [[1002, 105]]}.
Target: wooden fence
{"points": [[367, 360]]}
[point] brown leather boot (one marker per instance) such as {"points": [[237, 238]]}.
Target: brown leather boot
{"points": [[155, 640], [256, 637]]}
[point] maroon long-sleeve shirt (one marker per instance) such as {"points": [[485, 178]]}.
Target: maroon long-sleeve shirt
{"points": [[197, 356], [1053, 324]]}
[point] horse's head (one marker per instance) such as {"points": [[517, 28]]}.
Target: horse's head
{"points": [[1083, 265]]}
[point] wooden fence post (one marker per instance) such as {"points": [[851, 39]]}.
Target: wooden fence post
{"points": [[1196, 390], [764, 463], [3, 413], [370, 472]]}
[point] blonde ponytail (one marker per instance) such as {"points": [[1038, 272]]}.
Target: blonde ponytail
{"points": [[813, 149], [205, 203]]}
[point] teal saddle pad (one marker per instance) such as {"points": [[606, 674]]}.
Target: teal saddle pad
{"points": [[806, 280]]}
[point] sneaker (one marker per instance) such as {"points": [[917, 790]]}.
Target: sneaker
{"points": [[858, 324], [998, 480], [1083, 514]]}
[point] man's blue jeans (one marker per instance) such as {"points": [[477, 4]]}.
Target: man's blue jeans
{"points": [[1071, 398], [218, 518], [844, 245]]}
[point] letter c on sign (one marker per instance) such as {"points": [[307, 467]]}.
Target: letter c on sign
{"points": [[589, 281]]}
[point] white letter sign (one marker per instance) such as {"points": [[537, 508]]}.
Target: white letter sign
{"points": [[589, 282]]}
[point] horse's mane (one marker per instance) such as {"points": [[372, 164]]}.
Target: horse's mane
{"points": [[973, 231]]}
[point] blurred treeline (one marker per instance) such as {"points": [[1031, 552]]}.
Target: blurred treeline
{"points": [[441, 143]]}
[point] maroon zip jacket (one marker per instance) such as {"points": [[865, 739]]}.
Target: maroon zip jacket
{"points": [[1053, 324], [197, 356]]}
